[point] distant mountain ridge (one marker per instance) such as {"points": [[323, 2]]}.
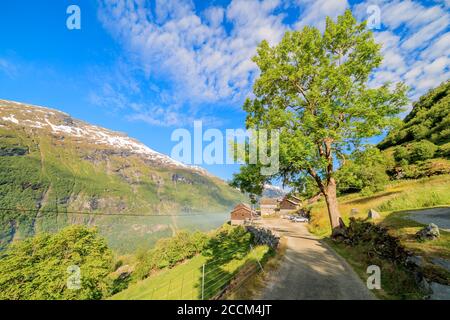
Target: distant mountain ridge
{"points": [[52, 164]]}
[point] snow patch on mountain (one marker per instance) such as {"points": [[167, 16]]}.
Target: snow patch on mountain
{"points": [[61, 123], [11, 118]]}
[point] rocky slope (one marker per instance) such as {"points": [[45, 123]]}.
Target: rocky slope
{"points": [[53, 166]]}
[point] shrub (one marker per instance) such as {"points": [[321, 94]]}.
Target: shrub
{"points": [[365, 172], [419, 132], [377, 239], [422, 150], [401, 154], [169, 252], [444, 150]]}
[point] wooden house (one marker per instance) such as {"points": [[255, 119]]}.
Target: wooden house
{"points": [[242, 213], [289, 205]]}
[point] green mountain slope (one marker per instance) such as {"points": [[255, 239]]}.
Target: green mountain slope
{"points": [[428, 120], [421, 146], [52, 166]]}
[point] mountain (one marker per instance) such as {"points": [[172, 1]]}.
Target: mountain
{"points": [[55, 169], [271, 191], [428, 120]]}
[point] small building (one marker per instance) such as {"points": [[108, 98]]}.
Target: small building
{"points": [[289, 205], [242, 213], [296, 199], [268, 206]]}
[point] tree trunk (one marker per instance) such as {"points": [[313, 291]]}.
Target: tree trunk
{"points": [[332, 204]]}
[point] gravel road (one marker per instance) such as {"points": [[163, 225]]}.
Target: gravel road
{"points": [[310, 269]]}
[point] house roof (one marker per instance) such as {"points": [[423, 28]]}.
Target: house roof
{"points": [[268, 201], [245, 207], [242, 205], [291, 201]]}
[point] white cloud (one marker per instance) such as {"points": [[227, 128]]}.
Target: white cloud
{"points": [[314, 12], [415, 43], [8, 68], [204, 57], [205, 62]]}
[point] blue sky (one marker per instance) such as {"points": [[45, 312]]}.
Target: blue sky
{"points": [[149, 67]]}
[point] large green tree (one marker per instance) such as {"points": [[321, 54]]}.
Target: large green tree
{"points": [[313, 87]]}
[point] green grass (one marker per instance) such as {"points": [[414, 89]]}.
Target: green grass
{"points": [[185, 280], [405, 229], [396, 282], [401, 195]]}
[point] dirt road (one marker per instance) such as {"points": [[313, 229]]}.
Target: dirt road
{"points": [[310, 269]]}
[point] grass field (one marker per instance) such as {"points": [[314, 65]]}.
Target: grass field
{"points": [[185, 280], [397, 283]]}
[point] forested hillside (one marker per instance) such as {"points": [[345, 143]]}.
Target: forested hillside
{"points": [[428, 124]]}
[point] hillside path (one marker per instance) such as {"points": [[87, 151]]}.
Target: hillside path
{"points": [[310, 269]]}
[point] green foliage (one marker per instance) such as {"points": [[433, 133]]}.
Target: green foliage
{"points": [[415, 152], [423, 138], [429, 120], [422, 150], [365, 172], [37, 268], [401, 155], [169, 252], [444, 150]]}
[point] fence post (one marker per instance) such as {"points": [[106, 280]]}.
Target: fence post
{"points": [[182, 284], [260, 266], [168, 290], [203, 282]]}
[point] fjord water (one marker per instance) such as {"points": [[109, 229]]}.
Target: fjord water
{"points": [[127, 233]]}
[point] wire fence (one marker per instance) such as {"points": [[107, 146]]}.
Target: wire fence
{"points": [[210, 280]]}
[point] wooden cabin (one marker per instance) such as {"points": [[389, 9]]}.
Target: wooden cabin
{"points": [[242, 213], [289, 205]]}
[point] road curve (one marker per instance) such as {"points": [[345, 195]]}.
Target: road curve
{"points": [[310, 269]]}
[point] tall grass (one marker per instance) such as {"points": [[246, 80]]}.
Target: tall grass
{"points": [[401, 195], [418, 199]]}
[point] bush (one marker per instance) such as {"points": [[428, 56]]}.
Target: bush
{"points": [[444, 150], [38, 268], [422, 150], [365, 172], [169, 252], [419, 132], [377, 238]]}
